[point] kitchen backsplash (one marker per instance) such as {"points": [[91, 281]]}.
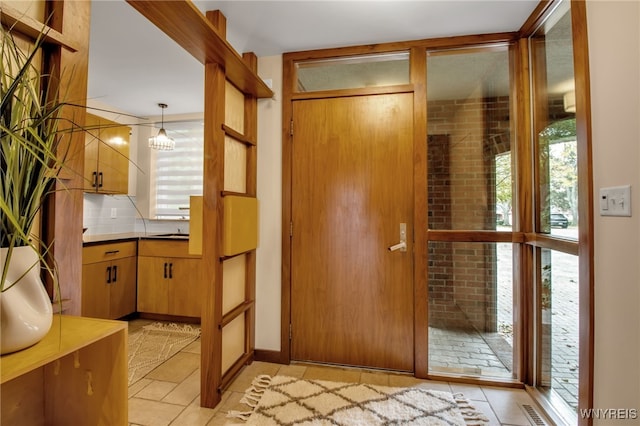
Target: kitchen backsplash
{"points": [[116, 214]]}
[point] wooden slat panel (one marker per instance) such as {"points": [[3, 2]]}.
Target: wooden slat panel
{"points": [[237, 136], [233, 108], [187, 26], [232, 342], [235, 165], [235, 312], [29, 25], [233, 283]]}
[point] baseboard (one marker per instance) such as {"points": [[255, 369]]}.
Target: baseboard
{"points": [[170, 318], [268, 356]]}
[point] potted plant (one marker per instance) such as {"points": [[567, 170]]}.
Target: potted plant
{"points": [[29, 166]]}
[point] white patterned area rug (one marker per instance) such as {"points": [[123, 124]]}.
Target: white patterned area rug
{"points": [[156, 343], [282, 400]]}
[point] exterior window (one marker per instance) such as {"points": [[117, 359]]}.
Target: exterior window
{"points": [[557, 275], [177, 174], [469, 187]]}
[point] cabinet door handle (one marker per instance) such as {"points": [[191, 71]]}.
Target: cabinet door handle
{"points": [[165, 270], [171, 271], [112, 252], [100, 179], [95, 180], [108, 274], [115, 274]]}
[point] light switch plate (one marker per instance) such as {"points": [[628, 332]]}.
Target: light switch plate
{"points": [[615, 201]]}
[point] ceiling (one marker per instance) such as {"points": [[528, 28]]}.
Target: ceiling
{"points": [[133, 66]]}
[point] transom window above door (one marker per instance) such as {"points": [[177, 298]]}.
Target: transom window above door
{"points": [[353, 72]]}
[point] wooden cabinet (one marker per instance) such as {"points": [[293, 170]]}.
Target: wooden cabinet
{"points": [[169, 279], [109, 280], [106, 158], [76, 375]]}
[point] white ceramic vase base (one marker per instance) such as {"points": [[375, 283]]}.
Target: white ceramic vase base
{"points": [[25, 308]]}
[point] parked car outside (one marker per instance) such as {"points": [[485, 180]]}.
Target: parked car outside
{"points": [[559, 220]]}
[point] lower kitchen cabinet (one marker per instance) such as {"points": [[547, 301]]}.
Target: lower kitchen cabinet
{"points": [[169, 279], [109, 280]]}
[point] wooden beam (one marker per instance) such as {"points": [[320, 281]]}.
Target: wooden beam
{"points": [[183, 22]]}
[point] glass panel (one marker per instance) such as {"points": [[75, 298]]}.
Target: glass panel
{"points": [[469, 127], [471, 309], [552, 53], [353, 72], [558, 337]]}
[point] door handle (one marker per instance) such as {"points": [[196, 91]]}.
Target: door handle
{"points": [[402, 245]]}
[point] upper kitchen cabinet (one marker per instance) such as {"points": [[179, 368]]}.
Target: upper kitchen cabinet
{"points": [[106, 161]]}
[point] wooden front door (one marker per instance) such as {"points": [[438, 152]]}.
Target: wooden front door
{"points": [[352, 187]]}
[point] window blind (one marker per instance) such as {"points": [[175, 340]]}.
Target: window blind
{"points": [[178, 173]]}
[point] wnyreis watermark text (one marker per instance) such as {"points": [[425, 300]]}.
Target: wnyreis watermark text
{"points": [[609, 413]]}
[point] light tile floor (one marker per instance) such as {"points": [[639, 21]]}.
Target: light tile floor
{"points": [[170, 394]]}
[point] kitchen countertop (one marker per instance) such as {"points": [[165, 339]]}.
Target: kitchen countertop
{"points": [[104, 238]]}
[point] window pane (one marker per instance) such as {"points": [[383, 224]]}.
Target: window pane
{"points": [[471, 309], [554, 95], [353, 72], [469, 128], [559, 339], [178, 173]]}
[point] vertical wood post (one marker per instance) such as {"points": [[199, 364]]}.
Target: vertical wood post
{"points": [[212, 226]]}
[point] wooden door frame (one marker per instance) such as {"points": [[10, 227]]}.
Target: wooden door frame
{"points": [[417, 86], [584, 247]]}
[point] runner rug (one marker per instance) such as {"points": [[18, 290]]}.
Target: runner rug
{"points": [[282, 400], [155, 343]]}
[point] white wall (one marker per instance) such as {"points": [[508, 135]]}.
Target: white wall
{"points": [[614, 56], [269, 253]]}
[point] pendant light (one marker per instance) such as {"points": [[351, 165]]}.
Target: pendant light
{"points": [[161, 141]]}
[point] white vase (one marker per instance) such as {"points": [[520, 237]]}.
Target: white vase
{"points": [[25, 308]]}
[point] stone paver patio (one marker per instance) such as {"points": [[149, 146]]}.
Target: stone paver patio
{"points": [[468, 352]]}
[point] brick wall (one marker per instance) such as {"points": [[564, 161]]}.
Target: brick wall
{"points": [[464, 138]]}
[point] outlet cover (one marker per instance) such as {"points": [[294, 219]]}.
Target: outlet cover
{"points": [[615, 201]]}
